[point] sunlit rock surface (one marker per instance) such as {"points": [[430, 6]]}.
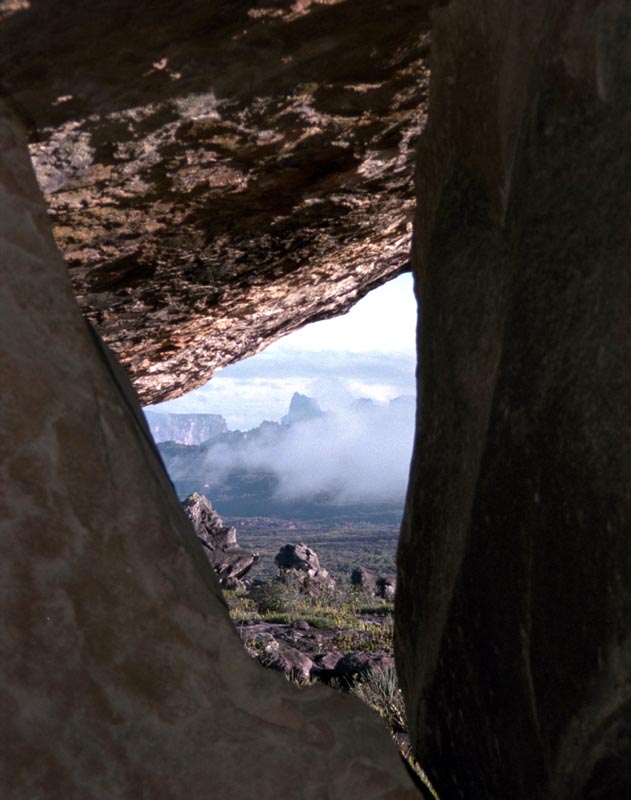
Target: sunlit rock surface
{"points": [[219, 173], [514, 590], [122, 676]]}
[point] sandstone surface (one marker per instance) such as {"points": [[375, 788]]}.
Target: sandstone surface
{"points": [[219, 173], [122, 675]]}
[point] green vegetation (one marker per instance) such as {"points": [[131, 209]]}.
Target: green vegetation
{"points": [[380, 690], [291, 597], [241, 607], [361, 623], [370, 638]]}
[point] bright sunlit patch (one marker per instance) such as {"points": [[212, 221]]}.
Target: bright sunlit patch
{"points": [[382, 322]]}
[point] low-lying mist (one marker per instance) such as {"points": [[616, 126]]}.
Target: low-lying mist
{"points": [[352, 455]]}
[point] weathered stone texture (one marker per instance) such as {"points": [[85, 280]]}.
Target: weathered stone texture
{"points": [[229, 560], [122, 676], [514, 598], [220, 173]]}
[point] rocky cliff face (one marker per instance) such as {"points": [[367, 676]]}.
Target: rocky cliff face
{"points": [[188, 429], [514, 633], [230, 561], [220, 173]]}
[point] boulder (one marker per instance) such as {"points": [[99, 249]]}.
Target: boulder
{"points": [[303, 562], [230, 561], [122, 674], [299, 557], [219, 174], [352, 667], [326, 661], [291, 662], [365, 579], [513, 628], [383, 586], [386, 588]]}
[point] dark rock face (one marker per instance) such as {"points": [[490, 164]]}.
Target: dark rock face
{"points": [[220, 173], [513, 623], [122, 675], [230, 561]]}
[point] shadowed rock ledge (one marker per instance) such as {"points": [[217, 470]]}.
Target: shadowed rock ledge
{"points": [[514, 584]]}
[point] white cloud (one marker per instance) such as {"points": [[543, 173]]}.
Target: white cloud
{"points": [[383, 322]]}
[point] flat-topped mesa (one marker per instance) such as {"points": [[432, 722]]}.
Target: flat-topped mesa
{"points": [[219, 174], [188, 429]]}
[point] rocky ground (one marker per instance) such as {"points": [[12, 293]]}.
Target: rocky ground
{"points": [[342, 637], [306, 623]]}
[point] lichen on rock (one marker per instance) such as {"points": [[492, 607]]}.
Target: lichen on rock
{"points": [[217, 175]]}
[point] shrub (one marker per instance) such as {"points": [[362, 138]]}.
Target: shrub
{"points": [[379, 689], [241, 607], [292, 596], [285, 594], [366, 638]]}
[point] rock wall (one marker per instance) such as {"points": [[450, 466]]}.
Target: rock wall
{"points": [[188, 429], [514, 591], [219, 173], [122, 676]]}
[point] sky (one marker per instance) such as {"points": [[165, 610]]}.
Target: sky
{"points": [[367, 352]]}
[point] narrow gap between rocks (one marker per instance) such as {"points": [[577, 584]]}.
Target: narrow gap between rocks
{"points": [[300, 516]]}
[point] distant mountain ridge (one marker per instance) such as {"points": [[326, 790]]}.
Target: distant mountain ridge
{"points": [[188, 429], [313, 465], [302, 407]]}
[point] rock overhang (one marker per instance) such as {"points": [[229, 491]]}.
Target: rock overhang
{"points": [[220, 174]]}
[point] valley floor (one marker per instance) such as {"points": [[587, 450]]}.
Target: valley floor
{"points": [[341, 545]]}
